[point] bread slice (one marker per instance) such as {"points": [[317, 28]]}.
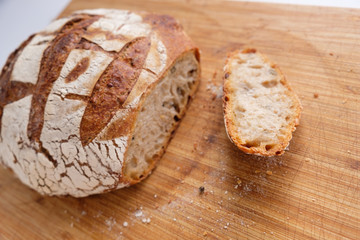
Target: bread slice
{"points": [[260, 109]]}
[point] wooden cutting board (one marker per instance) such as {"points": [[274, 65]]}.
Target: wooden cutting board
{"points": [[311, 192]]}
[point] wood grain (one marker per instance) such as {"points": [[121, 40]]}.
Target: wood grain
{"points": [[311, 192]]}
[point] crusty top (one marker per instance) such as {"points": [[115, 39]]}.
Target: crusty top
{"points": [[69, 96]]}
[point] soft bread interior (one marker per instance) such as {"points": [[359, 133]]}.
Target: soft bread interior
{"points": [[161, 111], [262, 110]]}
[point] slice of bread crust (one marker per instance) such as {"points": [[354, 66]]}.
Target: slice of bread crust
{"points": [[260, 109]]}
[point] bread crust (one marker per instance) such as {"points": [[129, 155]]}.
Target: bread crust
{"points": [[76, 120], [228, 102]]}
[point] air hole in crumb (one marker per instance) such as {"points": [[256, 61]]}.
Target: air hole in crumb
{"points": [[176, 118], [180, 91], [190, 84], [176, 106], [268, 147], [278, 153], [252, 144], [256, 66], [141, 176], [191, 72], [287, 118], [240, 109], [269, 84], [226, 99]]}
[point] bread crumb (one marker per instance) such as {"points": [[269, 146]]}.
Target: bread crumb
{"points": [[268, 172], [138, 213], [110, 222], [72, 225], [307, 159], [331, 54], [313, 200], [174, 219], [316, 95], [205, 234], [225, 227], [125, 224], [238, 182], [226, 192], [257, 171], [83, 213], [155, 196], [344, 101]]}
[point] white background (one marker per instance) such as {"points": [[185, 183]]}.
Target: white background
{"points": [[20, 18]]}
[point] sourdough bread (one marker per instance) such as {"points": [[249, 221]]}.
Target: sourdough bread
{"points": [[89, 104], [260, 109]]}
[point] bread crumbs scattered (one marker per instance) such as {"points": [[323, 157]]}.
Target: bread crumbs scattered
{"points": [[257, 171], [316, 95], [138, 213], [344, 101], [226, 227], [238, 182], [146, 220], [307, 159], [72, 224], [155, 196], [205, 234], [174, 219], [125, 224], [226, 192], [83, 213], [110, 222], [269, 172]]}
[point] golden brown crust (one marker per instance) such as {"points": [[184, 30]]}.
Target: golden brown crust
{"points": [[113, 88], [229, 120], [113, 85], [53, 59], [12, 91]]}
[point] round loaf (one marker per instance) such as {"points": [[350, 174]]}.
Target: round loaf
{"points": [[89, 104]]}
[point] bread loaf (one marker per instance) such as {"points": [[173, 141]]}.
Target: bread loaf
{"points": [[260, 109], [89, 104]]}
